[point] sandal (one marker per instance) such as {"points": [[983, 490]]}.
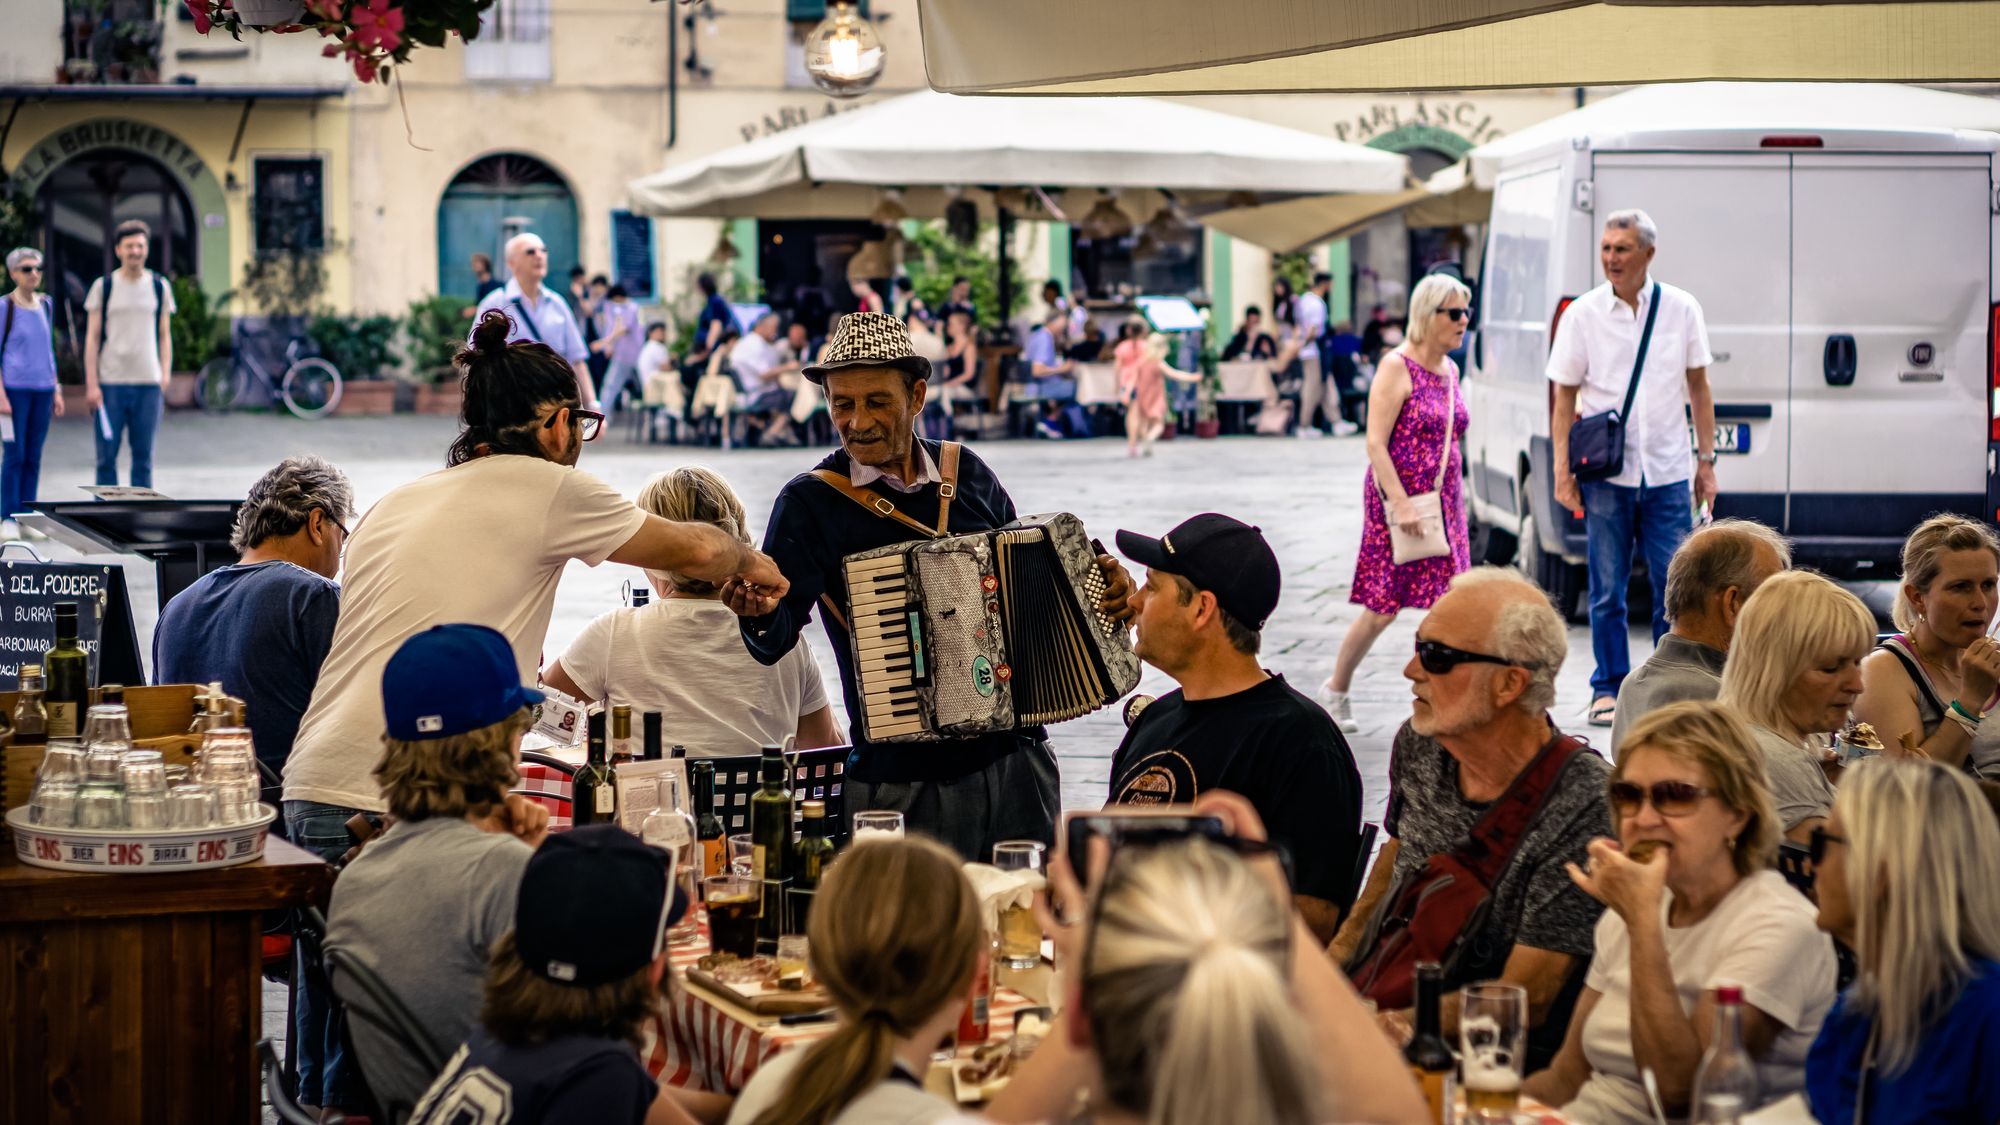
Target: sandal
{"points": [[1603, 711]]}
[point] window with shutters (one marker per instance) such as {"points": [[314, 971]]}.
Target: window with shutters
{"points": [[513, 44], [288, 204]]}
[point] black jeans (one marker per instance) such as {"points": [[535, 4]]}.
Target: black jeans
{"points": [[1017, 797]]}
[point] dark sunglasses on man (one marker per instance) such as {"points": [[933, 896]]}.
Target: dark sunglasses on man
{"points": [[1670, 798], [588, 423], [1439, 658]]}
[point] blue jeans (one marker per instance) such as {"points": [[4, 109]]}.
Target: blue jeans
{"points": [[327, 1076], [136, 408], [1657, 517], [21, 459]]}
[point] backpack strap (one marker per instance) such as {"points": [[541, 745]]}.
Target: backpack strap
{"points": [[1492, 842], [527, 321], [8, 334], [880, 505]]}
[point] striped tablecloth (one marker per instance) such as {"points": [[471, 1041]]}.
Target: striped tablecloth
{"points": [[710, 1043]]}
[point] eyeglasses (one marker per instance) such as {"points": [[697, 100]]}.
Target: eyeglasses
{"points": [[1670, 798], [1439, 658], [589, 423], [1458, 314], [1817, 842], [345, 535], [35, 267]]}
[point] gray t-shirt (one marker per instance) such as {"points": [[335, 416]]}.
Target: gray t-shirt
{"points": [[1679, 670], [131, 352], [1534, 902], [422, 906], [1799, 788]]}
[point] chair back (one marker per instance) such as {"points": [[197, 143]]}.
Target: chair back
{"points": [[372, 1000], [1364, 850], [1795, 864], [817, 775], [284, 1106]]}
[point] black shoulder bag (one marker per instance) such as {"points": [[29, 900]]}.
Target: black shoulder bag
{"points": [[1597, 443]]}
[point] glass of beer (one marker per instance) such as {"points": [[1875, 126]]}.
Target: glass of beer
{"points": [[1020, 937], [883, 822], [734, 902], [1493, 1040]]}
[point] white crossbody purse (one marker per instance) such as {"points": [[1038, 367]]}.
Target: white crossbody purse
{"points": [[1430, 541]]}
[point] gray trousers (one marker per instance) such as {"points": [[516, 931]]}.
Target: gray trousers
{"points": [[1018, 797]]}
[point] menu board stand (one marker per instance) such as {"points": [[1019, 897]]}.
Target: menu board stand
{"points": [[185, 538], [30, 589]]}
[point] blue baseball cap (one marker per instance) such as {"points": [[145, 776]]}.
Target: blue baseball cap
{"points": [[450, 679]]}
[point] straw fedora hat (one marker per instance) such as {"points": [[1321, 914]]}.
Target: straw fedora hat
{"points": [[869, 339]]}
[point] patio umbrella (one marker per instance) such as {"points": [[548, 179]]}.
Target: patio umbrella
{"points": [[1254, 46]]}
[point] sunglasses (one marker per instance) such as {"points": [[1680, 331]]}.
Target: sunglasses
{"points": [[1457, 314], [1439, 658], [1670, 798], [1817, 842], [35, 268], [589, 423]]}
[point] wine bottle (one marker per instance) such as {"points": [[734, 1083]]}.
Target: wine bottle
{"points": [[621, 734], [1427, 1054], [1725, 1084], [771, 841], [67, 668], [31, 717], [650, 725], [708, 826], [594, 798], [809, 859]]}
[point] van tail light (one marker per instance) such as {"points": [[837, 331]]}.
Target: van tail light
{"points": [[1993, 370], [1562, 307]]}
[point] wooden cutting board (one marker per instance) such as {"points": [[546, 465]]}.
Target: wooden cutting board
{"points": [[763, 1002]]}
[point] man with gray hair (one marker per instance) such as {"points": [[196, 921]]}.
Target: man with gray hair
{"points": [[1633, 353], [1712, 575], [1484, 789], [263, 626], [538, 315]]}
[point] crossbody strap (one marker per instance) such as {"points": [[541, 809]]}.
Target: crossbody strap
{"points": [[1639, 361], [1450, 424], [880, 505], [529, 322], [1493, 840]]}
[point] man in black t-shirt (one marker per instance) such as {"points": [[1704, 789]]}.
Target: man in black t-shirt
{"points": [[1211, 584]]}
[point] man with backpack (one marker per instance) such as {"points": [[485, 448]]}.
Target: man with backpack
{"points": [[128, 352]]}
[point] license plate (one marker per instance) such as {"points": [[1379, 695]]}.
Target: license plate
{"points": [[1730, 437]]}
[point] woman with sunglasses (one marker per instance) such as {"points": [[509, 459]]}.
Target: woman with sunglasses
{"points": [[1198, 995], [1908, 875], [28, 378], [1692, 905], [1794, 671], [1416, 420]]}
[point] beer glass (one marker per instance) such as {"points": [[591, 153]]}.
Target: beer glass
{"points": [[734, 902], [741, 854], [1020, 937], [876, 822], [1493, 1038]]}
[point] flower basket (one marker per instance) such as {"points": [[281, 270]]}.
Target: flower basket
{"points": [[443, 397], [261, 14], [371, 35], [367, 397]]}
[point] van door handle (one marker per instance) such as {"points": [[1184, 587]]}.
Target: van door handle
{"points": [[1838, 361]]}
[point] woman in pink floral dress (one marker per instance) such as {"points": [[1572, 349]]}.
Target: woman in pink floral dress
{"points": [[1413, 398]]}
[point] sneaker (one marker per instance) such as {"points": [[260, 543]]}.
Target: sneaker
{"points": [[1345, 429], [1308, 433], [1048, 431], [1336, 704], [9, 529]]}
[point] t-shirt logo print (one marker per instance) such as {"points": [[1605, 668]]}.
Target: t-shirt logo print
{"points": [[1158, 780]]}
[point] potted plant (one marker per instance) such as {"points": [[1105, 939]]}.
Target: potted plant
{"points": [[434, 331], [364, 348], [371, 35], [201, 332]]}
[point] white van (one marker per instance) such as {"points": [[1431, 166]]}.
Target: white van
{"points": [[1847, 268]]}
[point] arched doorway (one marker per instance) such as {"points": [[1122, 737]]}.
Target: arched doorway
{"points": [[82, 201], [491, 200]]}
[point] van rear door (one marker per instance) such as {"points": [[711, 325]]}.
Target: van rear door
{"points": [[1725, 237], [1889, 355]]}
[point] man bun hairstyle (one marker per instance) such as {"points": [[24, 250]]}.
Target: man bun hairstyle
{"points": [[507, 386]]}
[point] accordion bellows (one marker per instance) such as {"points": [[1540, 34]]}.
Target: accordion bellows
{"points": [[988, 631]]}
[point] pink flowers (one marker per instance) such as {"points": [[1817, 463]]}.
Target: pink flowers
{"points": [[370, 35], [199, 10], [377, 27]]}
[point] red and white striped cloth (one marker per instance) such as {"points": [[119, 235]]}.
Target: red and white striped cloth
{"points": [[707, 1047]]}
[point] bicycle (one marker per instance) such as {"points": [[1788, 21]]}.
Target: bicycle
{"points": [[309, 387]]}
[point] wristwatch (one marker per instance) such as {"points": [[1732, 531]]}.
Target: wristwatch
{"points": [[1706, 458]]}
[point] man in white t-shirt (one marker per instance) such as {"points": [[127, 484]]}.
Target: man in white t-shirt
{"points": [[482, 542], [760, 365], [537, 313], [1650, 502], [128, 352]]}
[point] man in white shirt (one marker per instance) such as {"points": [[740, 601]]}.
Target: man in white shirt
{"points": [[128, 353], [537, 314], [1648, 502], [760, 365]]}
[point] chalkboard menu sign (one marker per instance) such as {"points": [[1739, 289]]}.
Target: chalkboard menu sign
{"points": [[632, 253], [29, 592]]}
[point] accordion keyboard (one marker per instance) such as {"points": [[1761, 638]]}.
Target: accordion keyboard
{"points": [[888, 653]]}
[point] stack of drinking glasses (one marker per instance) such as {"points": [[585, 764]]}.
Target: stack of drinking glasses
{"points": [[105, 782]]}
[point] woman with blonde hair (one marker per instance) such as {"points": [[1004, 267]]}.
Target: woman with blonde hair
{"points": [[1693, 907], [894, 938], [1908, 876], [1941, 665], [1794, 670], [1416, 421], [683, 656]]}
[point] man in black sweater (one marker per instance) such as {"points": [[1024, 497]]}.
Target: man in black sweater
{"points": [[886, 486]]}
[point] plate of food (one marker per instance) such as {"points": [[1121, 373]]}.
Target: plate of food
{"points": [[755, 983], [980, 1076]]}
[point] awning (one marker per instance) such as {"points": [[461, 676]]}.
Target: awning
{"points": [[1255, 46], [172, 92], [1292, 225], [936, 147]]}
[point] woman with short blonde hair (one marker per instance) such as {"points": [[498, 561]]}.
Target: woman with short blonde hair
{"points": [[683, 655], [1434, 292], [1692, 906], [1935, 679], [1794, 670], [1908, 876]]}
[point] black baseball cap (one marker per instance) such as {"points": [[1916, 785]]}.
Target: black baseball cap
{"points": [[1226, 557], [594, 906]]}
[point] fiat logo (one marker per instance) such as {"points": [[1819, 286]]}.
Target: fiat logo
{"points": [[1922, 354]]}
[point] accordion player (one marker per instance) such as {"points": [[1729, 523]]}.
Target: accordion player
{"points": [[988, 631]]}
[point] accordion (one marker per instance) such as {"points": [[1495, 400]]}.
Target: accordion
{"points": [[987, 631]]}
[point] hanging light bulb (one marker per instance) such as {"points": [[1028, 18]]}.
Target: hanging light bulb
{"points": [[1168, 227], [725, 249], [1106, 221], [843, 54]]}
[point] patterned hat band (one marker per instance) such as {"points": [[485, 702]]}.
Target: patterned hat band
{"points": [[869, 339]]}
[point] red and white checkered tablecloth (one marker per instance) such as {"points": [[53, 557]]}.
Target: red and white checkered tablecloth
{"points": [[710, 1044], [540, 779]]}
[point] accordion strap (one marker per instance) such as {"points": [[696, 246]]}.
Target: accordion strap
{"points": [[880, 505]]}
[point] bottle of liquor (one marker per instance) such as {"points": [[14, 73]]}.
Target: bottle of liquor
{"points": [[650, 726], [1428, 1055], [594, 797], [622, 749], [1725, 1084], [31, 718], [708, 826], [771, 841], [809, 860], [67, 668], [670, 828]]}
